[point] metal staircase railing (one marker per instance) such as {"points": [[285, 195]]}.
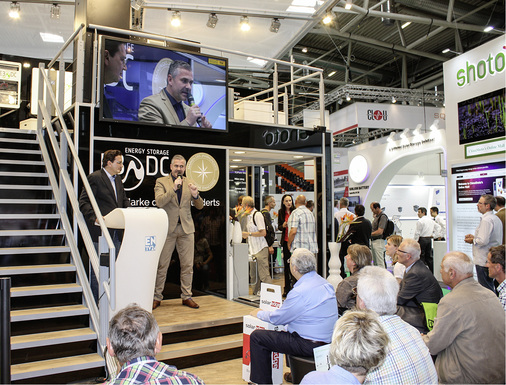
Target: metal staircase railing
{"points": [[58, 149]]}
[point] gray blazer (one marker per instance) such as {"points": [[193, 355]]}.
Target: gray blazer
{"points": [[157, 108]]}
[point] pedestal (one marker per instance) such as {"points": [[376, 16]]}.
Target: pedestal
{"points": [[334, 264]]}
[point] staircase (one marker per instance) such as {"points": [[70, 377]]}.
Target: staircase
{"points": [[50, 328]]}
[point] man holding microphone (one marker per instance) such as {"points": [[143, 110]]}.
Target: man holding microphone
{"points": [[175, 194]]}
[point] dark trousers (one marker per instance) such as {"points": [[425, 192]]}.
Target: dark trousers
{"points": [[286, 267], [342, 254], [426, 252], [484, 279], [264, 342]]}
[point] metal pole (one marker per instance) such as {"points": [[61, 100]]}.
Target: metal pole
{"points": [[5, 330]]}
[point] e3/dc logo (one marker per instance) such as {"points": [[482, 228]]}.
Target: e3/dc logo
{"points": [[133, 173], [150, 244]]}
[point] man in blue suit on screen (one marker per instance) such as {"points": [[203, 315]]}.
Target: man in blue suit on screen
{"points": [[167, 107]]}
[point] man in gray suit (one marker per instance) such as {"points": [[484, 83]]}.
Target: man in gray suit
{"points": [[175, 194], [167, 107]]}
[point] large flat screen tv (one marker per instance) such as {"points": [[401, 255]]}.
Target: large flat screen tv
{"points": [[482, 117], [137, 71]]}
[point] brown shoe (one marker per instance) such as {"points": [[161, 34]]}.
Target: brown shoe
{"points": [[288, 377], [190, 303], [156, 304]]}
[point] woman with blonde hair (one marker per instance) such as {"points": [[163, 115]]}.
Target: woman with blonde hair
{"points": [[358, 256], [393, 243]]}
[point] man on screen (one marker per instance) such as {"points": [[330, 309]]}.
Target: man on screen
{"points": [[114, 65], [167, 107]]}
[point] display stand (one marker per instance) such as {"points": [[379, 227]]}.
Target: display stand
{"points": [[439, 248], [137, 259]]}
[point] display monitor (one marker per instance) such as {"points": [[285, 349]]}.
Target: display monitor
{"points": [[136, 85], [482, 117]]}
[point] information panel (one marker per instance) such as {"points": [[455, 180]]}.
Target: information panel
{"points": [[10, 84]]}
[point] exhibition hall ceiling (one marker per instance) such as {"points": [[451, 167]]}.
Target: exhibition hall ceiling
{"points": [[388, 43]]}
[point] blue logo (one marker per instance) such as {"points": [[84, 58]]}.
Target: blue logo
{"points": [[150, 244]]}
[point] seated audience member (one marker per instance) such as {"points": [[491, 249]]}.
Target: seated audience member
{"points": [[398, 269], [468, 333], [417, 286], [309, 311], [358, 257], [495, 264], [408, 360], [135, 339], [359, 344]]}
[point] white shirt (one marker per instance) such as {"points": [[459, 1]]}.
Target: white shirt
{"points": [[442, 231], [425, 227], [256, 244], [487, 234]]}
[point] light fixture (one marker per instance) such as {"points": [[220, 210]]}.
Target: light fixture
{"points": [[349, 4], [175, 21], [213, 20], [348, 97], [236, 160], [446, 50], [394, 100], [404, 134], [327, 19], [332, 73], [405, 25], [26, 65], [298, 156], [245, 24], [275, 24], [304, 50], [136, 4], [14, 10], [55, 11], [435, 125], [416, 131], [488, 29], [239, 152], [340, 101], [391, 136], [50, 38]]}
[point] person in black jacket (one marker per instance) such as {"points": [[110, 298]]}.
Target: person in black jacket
{"points": [[359, 232], [286, 209]]}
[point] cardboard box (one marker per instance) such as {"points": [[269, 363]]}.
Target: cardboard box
{"points": [[270, 299]]}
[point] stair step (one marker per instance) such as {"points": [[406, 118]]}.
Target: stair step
{"points": [[18, 131], [29, 216], [13, 140], [24, 174], [25, 291], [24, 186], [48, 312], [55, 366], [36, 269], [22, 162], [52, 338], [19, 151], [27, 201], [207, 345], [27, 233], [34, 250]]}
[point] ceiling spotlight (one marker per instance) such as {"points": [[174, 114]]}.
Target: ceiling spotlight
{"points": [[435, 125], [348, 97], [136, 4], [175, 21], [394, 100], [245, 24], [55, 11], [275, 24], [26, 65], [332, 73], [213, 20], [405, 133], [304, 50], [14, 10], [488, 29], [327, 19], [416, 131], [405, 25], [391, 136], [348, 5], [340, 101]]}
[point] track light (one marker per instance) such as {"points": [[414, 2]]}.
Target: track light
{"points": [[275, 24], [404, 134], [175, 21], [55, 11], [416, 131], [446, 50], [213, 20], [394, 100], [488, 29], [348, 97], [435, 125], [14, 10], [245, 24], [327, 19], [391, 136], [304, 50], [348, 5], [136, 4]]}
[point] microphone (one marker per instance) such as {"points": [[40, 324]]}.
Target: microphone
{"points": [[179, 185], [192, 103]]}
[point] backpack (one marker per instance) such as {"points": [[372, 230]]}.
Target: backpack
{"points": [[270, 233], [389, 228]]}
